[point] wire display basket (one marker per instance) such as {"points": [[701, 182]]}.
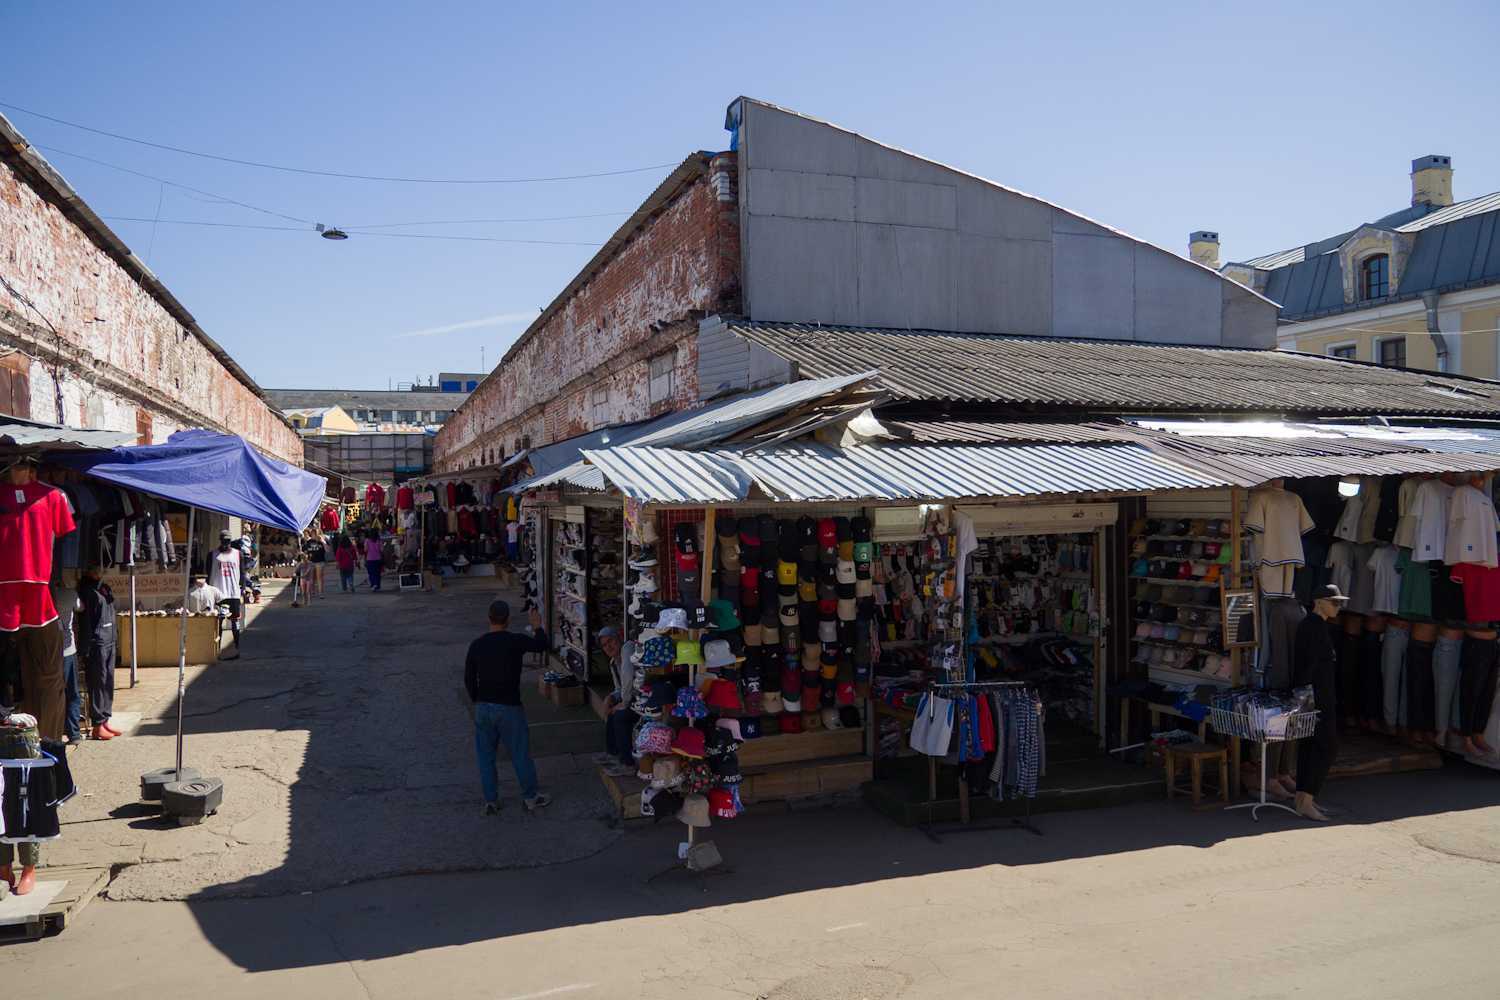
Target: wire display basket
{"points": [[1261, 729]]}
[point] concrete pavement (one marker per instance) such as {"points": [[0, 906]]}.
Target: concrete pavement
{"points": [[1401, 899], [344, 740]]}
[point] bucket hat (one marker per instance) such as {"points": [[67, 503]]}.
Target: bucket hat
{"points": [[672, 618], [688, 742], [721, 803], [694, 811], [689, 704], [716, 653], [724, 696], [688, 652]]}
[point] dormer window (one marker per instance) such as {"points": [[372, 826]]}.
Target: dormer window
{"points": [[1374, 277]]}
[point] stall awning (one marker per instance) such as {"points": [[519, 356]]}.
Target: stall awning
{"points": [[218, 472], [30, 434], [816, 472]]}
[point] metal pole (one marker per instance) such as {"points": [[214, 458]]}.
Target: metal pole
{"points": [[187, 565], [134, 661]]}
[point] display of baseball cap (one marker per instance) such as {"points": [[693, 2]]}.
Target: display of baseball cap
{"points": [[791, 722], [770, 632], [864, 552], [786, 539], [848, 609], [786, 572], [828, 535], [812, 720], [750, 538], [791, 682], [831, 719], [844, 693], [694, 811], [772, 703], [791, 705], [849, 716], [753, 634], [685, 537], [726, 525], [688, 743], [843, 571], [859, 529], [721, 803]]}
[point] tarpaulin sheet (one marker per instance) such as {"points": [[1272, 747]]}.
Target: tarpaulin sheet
{"points": [[210, 471]]}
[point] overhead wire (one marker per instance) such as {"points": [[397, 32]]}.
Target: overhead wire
{"points": [[331, 173], [470, 222], [352, 232]]}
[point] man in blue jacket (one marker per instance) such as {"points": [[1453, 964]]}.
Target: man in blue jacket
{"points": [[492, 676]]}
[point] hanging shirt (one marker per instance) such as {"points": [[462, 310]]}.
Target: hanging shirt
{"points": [[1481, 591], [31, 519], [1348, 526], [226, 572], [1416, 587], [405, 498], [451, 491], [513, 532], [1406, 524], [1430, 509], [375, 495], [1384, 564], [1280, 520], [1472, 527], [330, 521], [1341, 557], [1361, 590]]}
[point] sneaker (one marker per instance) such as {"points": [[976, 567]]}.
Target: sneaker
{"points": [[490, 809], [538, 801]]}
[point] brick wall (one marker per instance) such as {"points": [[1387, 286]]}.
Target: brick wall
{"points": [[120, 352], [645, 301]]}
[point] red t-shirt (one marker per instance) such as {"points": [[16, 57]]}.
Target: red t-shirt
{"points": [[344, 557], [404, 498], [1481, 590], [31, 518], [330, 519], [375, 495]]}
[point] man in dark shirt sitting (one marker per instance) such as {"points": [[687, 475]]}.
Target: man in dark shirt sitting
{"points": [[492, 675]]}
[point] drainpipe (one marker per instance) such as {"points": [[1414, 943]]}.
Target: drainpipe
{"points": [[1430, 301]]}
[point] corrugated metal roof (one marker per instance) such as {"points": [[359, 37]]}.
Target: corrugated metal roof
{"points": [[31, 434], [998, 432], [1452, 213], [815, 472], [1281, 258], [1047, 373]]}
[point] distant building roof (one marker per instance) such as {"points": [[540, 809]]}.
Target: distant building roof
{"points": [[1040, 374], [379, 399], [1456, 246]]}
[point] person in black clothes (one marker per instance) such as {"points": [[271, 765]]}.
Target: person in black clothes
{"points": [[492, 675], [94, 632], [1315, 662]]}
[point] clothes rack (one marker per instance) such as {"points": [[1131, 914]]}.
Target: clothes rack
{"points": [[964, 824]]}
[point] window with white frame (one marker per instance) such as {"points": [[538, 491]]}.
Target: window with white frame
{"points": [[663, 373], [1348, 352]]}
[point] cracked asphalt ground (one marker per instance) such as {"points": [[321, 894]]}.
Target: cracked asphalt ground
{"points": [[1399, 899], [344, 740]]}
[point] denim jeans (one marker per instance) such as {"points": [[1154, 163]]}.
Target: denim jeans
{"points": [[1445, 665], [496, 724], [1393, 675], [346, 580], [73, 709], [372, 567]]}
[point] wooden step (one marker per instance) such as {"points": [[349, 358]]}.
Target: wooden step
{"points": [[791, 747]]}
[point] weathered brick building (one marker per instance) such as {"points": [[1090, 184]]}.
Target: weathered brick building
{"points": [[804, 222], [89, 337], [619, 343]]}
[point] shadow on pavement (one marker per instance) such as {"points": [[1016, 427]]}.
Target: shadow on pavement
{"points": [[382, 807]]}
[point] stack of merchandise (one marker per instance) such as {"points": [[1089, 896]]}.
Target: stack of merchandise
{"points": [[571, 561], [606, 607], [641, 574]]}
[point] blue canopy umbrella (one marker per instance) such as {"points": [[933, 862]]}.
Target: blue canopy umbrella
{"points": [[218, 472]]}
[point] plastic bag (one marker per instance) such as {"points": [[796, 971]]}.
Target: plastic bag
{"points": [[933, 729]]}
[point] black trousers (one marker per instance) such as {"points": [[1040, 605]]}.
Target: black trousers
{"points": [[1421, 698], [1476, 683], [1315, 756], [619, 733], [1349, 650], [99, 676], [1371, 681]]}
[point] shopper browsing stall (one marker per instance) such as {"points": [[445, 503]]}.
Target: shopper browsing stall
{"points": [[492, 676], [374, 559], [317, 554]]}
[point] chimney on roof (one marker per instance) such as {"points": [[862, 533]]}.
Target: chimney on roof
{"points": [[1203, 247], [1432, 181]]}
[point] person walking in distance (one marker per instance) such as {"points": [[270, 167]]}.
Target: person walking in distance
{"points": [[95, 635], [225, 574], [1314, 662], [374, 559], [492, 676], [344, 556], [317, 553]]}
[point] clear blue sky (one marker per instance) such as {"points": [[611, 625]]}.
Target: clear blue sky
{"points": [[1274, 124]]}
